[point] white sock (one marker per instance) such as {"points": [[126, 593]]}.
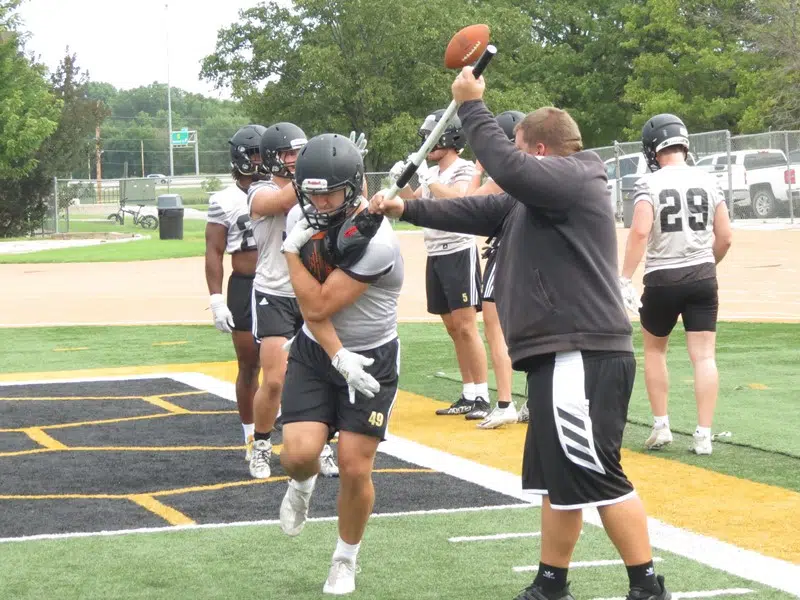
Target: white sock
{"points": [[482, 391], [346, 551], [661, 422], [303, 486], [249, 430], [468, 392], [703, 431]]}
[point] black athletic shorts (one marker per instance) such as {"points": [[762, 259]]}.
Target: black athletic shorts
{"points": [[453, 281], [314, 391], [275, 316], [696, 302], [578, 403], [487, 294], [239, 298]]}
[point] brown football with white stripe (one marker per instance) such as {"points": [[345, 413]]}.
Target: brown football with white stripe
{"points": [[466, 46], [316, 258]]}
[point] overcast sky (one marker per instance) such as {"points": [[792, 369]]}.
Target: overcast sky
{"points": [[125, 43]]}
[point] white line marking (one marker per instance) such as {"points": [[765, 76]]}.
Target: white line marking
{"points": [[772, 572], [496, 536], [703, 594], [582, 563], [269, 522]]}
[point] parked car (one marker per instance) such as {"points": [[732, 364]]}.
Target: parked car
{"points": [[161, 178], [716, 164], [767, 176]]}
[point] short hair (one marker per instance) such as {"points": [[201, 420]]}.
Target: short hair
{"points": [[554, 128]]}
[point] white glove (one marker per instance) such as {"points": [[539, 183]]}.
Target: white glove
{"points": [[298, 237], [629, 296], [397, 170], [223, 319], [361, 143], [351, 366], [287, 345]]}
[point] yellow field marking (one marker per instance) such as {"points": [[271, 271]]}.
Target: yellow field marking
{"points": [[122, 420], [71, 398], [26, 452], [41, 438], [683, 495], [168, 406], [169, 343], [183, 394], [757, 386], [226, 371], [65, 497], [69, 349], [169, 514]]}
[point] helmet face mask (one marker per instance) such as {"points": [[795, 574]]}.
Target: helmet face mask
{"points": [[276, 140], [452, 136], [328, 163], [245, 148], [660, 132]]}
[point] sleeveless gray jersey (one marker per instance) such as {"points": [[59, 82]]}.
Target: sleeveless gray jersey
{"points": [[272, 273], [229, 208], [684, 201]]}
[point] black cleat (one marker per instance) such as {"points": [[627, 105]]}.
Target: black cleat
{"points": [[637, 593], [535, 592], [480, 410], [461, 407]]}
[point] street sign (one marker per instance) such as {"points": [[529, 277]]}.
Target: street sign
{"points": [[180, 138]]}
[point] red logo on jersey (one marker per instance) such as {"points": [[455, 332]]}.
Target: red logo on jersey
{"points": [[351, 232]]}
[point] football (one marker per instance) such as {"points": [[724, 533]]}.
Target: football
{"points": [[316, 258], [466, 46]]}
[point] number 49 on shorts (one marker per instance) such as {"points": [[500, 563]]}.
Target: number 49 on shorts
{"points": [[376, 419]]}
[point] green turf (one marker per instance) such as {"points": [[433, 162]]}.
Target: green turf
{"points": [[426, 351], [401, 558]]}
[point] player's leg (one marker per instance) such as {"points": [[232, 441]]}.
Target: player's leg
{"points": [[658, 314], [362, 425], [700, 322], [505, 412], [239, 303]]}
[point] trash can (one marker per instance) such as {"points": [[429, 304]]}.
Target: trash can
{"points": [[170, 217], [626, 190]]}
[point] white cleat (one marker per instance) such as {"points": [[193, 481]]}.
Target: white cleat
{"points": [[341, 578], [659, 437], [500, 416], [294, 508], [259, 460], [524, 414], [701, 444], [248, 453], [327, 463]]}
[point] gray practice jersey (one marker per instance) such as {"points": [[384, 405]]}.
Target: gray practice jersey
{"points": [[229, 208], [272, 273], [684, 201], [371, 320], [439, 242]]}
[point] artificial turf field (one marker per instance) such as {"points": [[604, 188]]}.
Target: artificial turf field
{"points": [[155, 445]]}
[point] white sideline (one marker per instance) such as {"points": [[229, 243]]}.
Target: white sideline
{"points": [[496, 536], [771, 572], [583, 563]]}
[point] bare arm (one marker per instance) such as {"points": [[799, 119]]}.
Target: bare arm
{"points": [[318, 301], [265, 202], [637, 237], [723, 234], [457, 190], [216, 239]]}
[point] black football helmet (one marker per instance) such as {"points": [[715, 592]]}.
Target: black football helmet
{"points": [[452, 136], [278, 138], [245, 144], [508, 121], [327, 163], [662, 131]]}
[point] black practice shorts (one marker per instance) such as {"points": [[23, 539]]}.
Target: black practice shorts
{"points": [[314, 391], [578, 403], [239, 298], [696, 302], [488, 278], [453, 281], [275, 316]]}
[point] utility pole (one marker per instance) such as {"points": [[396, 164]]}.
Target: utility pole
{"points": [[142, 142], [169, 102], [99, 165], [196, 155]]}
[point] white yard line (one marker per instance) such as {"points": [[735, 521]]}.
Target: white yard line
{"points": [[581, 564]]}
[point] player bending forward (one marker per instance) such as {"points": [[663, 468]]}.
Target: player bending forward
{"points": [[350, 326]]}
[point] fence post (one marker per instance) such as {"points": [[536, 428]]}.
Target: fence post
{"points": [[618, 187], [55, 203], [789, 178], [731, 203]]}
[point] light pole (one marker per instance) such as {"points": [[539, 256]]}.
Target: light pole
{"points": [[169, 102]]}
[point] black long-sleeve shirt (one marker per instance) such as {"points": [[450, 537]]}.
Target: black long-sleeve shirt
{"points": [[556, 284]]}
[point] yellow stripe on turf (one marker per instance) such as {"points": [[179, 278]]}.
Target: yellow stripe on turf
{"points": [[122, 420], [169, 514], [41, 438], [169, 343], [69, 349], [168, 406]]}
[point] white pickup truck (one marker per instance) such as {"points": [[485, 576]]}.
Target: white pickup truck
{"points": [[765, 175]]}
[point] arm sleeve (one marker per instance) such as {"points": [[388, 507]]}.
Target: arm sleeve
{"points": [[478, 215], [642, 192], [216, 213], [554, 183]]}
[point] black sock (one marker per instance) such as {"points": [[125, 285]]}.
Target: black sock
{"points": [[551, 579], [644, 577], [503, 404], [262, 436]]}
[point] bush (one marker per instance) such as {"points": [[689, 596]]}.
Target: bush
{"points": [[212, 184]]}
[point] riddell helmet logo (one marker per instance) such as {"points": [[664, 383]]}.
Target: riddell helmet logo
{"points": [[351, 231]]}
